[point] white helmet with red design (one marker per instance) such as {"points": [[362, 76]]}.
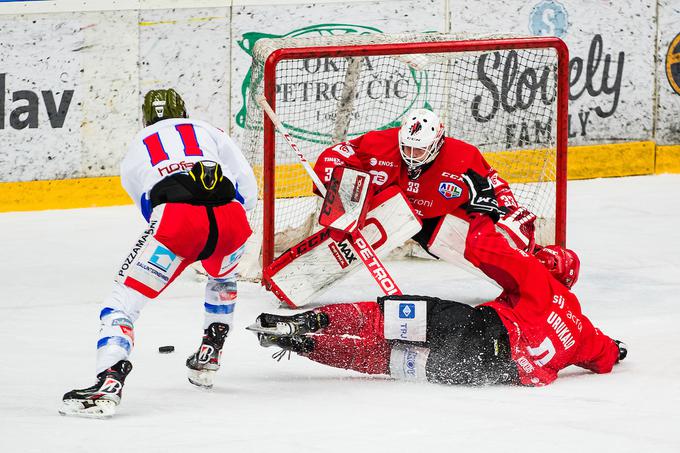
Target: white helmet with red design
{"points": [[420, 138]]}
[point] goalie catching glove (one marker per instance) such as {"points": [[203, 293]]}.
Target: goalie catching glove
{"points": [[482, 196], [517, 226]]}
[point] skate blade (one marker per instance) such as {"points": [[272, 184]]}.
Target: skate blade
{"points": [[203, 378], [281, 329], [101, 410]]}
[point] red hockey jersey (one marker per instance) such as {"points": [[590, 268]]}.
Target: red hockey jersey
{"points": [[437, 191], [546, 328]]}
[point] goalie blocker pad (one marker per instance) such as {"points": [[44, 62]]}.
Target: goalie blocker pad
{"points": [[306, 269], [344, 207]]}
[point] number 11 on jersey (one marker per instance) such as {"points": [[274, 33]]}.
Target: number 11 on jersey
{"points": [[157, 153]]}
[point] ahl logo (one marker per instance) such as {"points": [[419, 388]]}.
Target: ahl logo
{"points": [[548, 18], [450, 190], [162, 258], [407, 311], [673, 64]]}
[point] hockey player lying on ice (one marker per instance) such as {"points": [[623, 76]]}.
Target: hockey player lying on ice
{"points": [[417, 193], [525, 336]]}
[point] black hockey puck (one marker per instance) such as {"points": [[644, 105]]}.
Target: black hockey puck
{"points": [[166, 349]]}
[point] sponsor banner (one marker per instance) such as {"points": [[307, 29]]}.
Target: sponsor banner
{"points": [[324, 20], [668, 74], [611, 68]]}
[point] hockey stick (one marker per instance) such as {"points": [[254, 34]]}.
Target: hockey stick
{"points": [[366, 253]]}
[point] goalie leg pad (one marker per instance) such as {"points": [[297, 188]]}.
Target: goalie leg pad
{"points": [[299, 275]]}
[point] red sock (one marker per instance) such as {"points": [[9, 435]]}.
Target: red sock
{"points": [[365, 355], [362, 318]]}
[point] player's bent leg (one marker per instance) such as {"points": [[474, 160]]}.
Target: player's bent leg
{"points": [[362, 318], [346, 336], [220, 257], [220, 300], [116, 339], [119, 312]]}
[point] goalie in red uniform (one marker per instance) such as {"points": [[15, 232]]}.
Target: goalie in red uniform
{"points": [[427, 167], [417, 192], [525, 336]]}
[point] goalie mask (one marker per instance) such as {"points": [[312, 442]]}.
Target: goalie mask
{"points": [[562, 263], [420, 138], [161, 105]]}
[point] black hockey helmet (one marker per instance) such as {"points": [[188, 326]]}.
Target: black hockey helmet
{"points": [[162, 104]]}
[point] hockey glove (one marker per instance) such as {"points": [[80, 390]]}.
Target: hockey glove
{"points": [[518, 228], [482, 196]]}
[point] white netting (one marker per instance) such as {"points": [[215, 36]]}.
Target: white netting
{"points": [[502, 101]]}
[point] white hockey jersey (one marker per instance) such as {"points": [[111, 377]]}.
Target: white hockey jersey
{"points": [[174, 145]]}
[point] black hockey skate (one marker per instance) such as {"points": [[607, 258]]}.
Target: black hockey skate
{"points": [[623, 349], [287, 326], [205, 362], [288, 344], [100, 400]]}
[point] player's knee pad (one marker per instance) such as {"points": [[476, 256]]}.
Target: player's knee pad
{"points": [[149, 266], [220, 300], [299, 275]]}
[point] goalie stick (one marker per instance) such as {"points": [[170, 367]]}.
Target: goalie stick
{"points": [[366, 253]]}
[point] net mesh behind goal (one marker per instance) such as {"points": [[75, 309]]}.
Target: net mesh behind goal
{"points": [[499, 94]]}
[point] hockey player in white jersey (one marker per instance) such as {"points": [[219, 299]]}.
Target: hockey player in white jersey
{"points": [[193, 185]]}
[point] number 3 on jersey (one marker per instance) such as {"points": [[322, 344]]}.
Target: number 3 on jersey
{"points": [[187, 134]]}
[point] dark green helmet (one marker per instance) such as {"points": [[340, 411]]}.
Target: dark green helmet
{"points": [[161, 105]]}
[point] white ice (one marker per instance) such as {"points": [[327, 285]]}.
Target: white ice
{"points": [[57, 266]]}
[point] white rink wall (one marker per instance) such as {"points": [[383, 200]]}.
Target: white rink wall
{"points": [[72, 73]]}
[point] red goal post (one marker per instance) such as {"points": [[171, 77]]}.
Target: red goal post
{"points": [[447, 52]]}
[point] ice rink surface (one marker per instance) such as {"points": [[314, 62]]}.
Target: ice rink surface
{"points": [[57, 266]]}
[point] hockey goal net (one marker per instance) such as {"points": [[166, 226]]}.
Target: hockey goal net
{"points": [[506, 95]]}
